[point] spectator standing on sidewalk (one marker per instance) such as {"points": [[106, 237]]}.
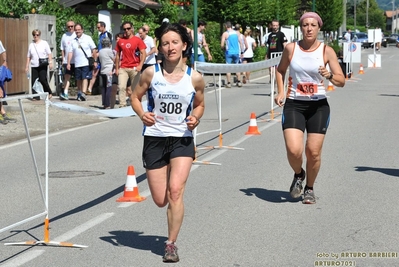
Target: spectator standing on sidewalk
{"points": [[4, 118], [134, 55], [150, 50], [201, 43], [39, 49], [249, 53], [306, 106], [107, 59], [276, 41], [101, 27], [66, 41], [232, 46], [168, 149], [80, 49]]}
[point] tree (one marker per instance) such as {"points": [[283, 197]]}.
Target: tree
{"points": [[376, 16], [14, 8], [331, 13]]}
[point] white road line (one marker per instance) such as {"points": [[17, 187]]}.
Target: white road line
{"points": [[83, 227], [28, 256], [39, 137], [219, 152]]}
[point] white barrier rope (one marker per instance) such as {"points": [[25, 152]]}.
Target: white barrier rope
{"points": [[204, 67]]}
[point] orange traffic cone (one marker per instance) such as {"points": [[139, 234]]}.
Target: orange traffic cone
{"points": [[131, 192], [253, 127], [330, 86], [361, 71]]}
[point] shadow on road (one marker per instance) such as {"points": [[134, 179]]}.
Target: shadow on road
{"points": [[388, 95], [387, 171], [270, 195], [137, 240]]}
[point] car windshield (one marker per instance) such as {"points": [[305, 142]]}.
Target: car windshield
{"points": [[361, 35]]}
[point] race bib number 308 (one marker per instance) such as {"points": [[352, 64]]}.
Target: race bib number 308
{"points": [[307, 88]]}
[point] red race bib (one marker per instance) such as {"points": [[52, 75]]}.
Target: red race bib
{"points": [[307, 88]]}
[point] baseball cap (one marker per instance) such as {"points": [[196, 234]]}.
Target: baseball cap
{"points": [[165, 20]]}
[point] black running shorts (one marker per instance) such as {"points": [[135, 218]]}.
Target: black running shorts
{"points": [[157, 151], [314, 116]]}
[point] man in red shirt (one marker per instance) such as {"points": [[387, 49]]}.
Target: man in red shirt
{"points": [[130, 57]]}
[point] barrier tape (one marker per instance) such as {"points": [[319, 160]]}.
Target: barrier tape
{"points": [[111, 113], [204, 67]]}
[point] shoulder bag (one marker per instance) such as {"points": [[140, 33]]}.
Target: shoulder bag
{"points": [[43, 62], [90, 59]]}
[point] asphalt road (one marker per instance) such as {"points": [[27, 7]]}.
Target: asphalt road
{"points": [[238, 213]]}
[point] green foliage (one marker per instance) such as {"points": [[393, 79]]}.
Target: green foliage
{"points": [[212, 34], [215, 12], [14, 8], [331, 12], [63, 15], [259, 53]]}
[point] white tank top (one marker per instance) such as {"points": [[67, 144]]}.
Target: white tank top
{"points": [[171, 103], [304, 81]]}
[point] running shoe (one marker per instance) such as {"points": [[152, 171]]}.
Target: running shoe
{"points": [[82, 97], [239, 84], [244, 80], [170, 253], [3, 121], [296, 186], [64, 97], [228, 85], [8, 118], [309, 197]]}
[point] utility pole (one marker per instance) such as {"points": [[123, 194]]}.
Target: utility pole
{"points": [[354, 14], [367, 15], [314, 6], [393, 15], [344, 28]]}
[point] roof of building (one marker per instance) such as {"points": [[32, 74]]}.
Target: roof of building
{"points": [[390, 13], [89, 6]]}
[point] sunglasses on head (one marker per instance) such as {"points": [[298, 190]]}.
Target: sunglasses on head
{"points": [[127, 29]]}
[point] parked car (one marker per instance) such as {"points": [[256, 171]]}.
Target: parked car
{"points": [[361, 37], [393, 39]]}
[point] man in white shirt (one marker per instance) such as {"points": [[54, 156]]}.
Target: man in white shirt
{"points": [[150, 50], [347, 36], [83, 73], [66, 40]]}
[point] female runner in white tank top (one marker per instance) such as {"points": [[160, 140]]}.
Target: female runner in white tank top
{"points": [[175, 95], [306, 106]]}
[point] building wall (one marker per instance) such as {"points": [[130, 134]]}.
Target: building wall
{"points": [[14, 36]]}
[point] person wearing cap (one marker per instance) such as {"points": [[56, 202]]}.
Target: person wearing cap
{"points": [[305, 105]]}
